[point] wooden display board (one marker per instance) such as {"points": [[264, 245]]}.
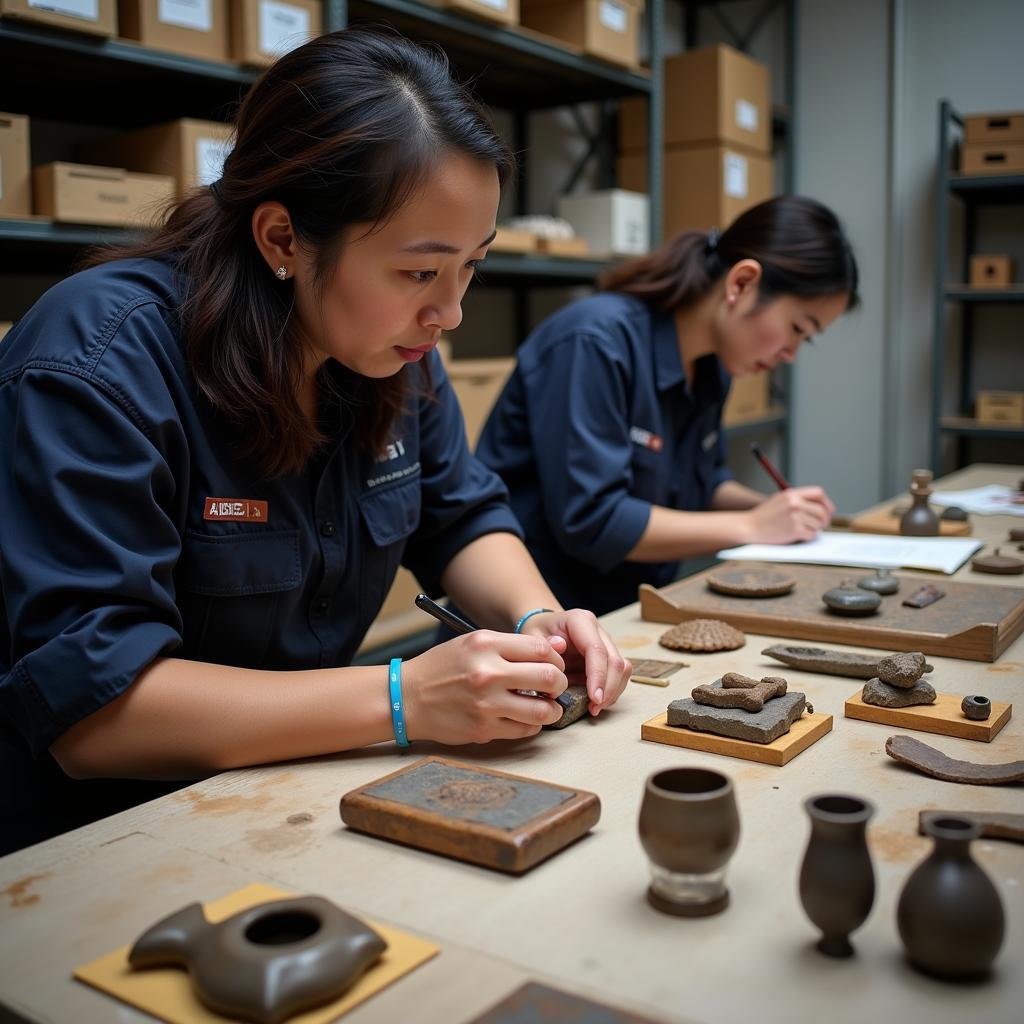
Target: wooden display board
{"points": [[973, 621], [885, 522], [944, 717], [805, 732]]}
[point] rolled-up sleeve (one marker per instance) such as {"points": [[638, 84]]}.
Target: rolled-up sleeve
{"points": [[579, 425], [88, 551], [461, 498]]}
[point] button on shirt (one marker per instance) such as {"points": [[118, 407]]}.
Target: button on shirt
{"points": [[597, 424], [130, 530]]}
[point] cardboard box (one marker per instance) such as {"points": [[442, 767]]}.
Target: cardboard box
{"points": [[81, 194], [750, 398], [992, 158], [263, 30], [5, 326], [477, 384], [999, 407], [612, 221], [705, 186], [712, 94], [97, 17], [504, 12], [608, 29], [191, 151], [563, 246], [196, 28], [513, 240], [994, 129], [992, 270], [15, 169]]}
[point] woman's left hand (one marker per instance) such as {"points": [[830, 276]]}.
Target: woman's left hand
{"points": [[590, 654]]}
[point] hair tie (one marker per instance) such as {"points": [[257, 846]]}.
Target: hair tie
{"points": [[711, 245], [215, 191]]}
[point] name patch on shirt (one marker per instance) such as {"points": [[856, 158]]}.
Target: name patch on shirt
{"points": [[235, 510], [644, 437]]}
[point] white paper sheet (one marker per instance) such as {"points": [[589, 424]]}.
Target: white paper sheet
{"points": [[992, 500], [869, 550]]}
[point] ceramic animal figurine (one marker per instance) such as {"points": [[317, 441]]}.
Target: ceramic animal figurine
{"points": [[949, 915], [837, 881], [267, 963]]}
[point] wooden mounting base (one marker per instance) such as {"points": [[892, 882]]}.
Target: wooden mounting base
{"points": [[943, 718], [805, 732]]}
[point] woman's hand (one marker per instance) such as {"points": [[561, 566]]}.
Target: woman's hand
{"points": [[590, 654], [463, 691], [797, 513]]}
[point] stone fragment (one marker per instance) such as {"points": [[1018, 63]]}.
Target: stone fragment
{"points": [[883, 582], [820, 659], [901, 669], [885, 696], [925, 595], [576, 706], [935, 763], [764, 726], [954, 514], [738, 691], [702, 635], [750, 582], [851, 601], [976, 708]]}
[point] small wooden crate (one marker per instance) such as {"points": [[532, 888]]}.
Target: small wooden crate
{"points": [[999, 407], [991, 270]]}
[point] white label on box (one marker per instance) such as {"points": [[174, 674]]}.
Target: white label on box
{"points": [[612, 15], [735, 172], [87, 9], [746, 115], [282, 27], [498, 5], [210, 157], [197, 14]]}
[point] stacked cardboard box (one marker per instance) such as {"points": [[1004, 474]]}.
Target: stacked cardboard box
{"points": [[97, 17], [606, 29], [503, 12], [15, 170], [993, 144], [263, 30]]}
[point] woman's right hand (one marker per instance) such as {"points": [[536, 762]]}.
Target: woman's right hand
{"points": [[797, 513], [462, 691]]}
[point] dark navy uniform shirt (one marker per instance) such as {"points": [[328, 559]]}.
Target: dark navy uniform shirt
{"points": [[597, 424], [130, 530]]}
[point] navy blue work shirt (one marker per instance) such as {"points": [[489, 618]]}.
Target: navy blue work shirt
{"points": [[129, 529], [597, 424]]}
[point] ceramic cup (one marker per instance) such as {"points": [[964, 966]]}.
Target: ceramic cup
{"points": [[689, 828]]}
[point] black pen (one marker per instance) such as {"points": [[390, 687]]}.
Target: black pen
{"points": [[460, 625]]}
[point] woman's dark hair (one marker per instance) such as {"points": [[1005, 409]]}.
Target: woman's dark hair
{"points": [[799, 243], [341, 131]]}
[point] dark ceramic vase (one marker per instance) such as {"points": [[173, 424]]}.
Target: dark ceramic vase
{"points": [[920, 520], [689, 828], [949, 914], [837, 882]]}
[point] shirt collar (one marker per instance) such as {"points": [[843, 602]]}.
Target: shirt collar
{"points": [[668, 364]]}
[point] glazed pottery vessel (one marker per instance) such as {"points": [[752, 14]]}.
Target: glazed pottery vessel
{"points": [[949, 914], [689, 828], [837, 882]]}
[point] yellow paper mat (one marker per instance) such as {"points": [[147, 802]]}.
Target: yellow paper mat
{"points": [[167, 992]]}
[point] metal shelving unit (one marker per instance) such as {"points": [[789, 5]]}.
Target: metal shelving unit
{"points": [[974, 191]]}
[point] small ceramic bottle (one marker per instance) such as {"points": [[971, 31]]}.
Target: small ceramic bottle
{"points": [[919, 520], [837, 881], [949, 914]]}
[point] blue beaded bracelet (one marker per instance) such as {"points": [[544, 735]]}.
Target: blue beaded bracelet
{"points": [[522, 621], [395, 692]]}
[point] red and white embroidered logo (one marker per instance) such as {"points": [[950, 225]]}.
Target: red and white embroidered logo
{"points": [[235, 510], [645, 438]]}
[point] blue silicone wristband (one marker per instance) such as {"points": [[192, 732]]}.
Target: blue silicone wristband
{"points": [[522, 621], [395, 692]]}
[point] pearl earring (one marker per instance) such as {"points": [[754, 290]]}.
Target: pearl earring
{"points": [[282, 273]]}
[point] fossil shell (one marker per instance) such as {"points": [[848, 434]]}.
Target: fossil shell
{"points": [[702, 635]]}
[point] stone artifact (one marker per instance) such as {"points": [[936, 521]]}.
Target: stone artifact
{"points": [[764, 726], [935, 763], [689, 828], [574, 708], [920, 520], [954, 514], [1017, 535], [993, 825], [884, 695], [654, 672], [846, 599], [739, 691], [820, 659], [901, 669], [750, 582], [1000, 565], [949, 915], [837, 881], [266, 963], [976, 708], [883, 582], [702, 635], [925, 595]]}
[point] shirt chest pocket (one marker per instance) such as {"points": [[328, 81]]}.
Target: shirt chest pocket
{"points": [[390, 517], [229, 591]]}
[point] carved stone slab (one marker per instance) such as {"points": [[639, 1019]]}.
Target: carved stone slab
{"points": [[764, 726], [833, 663]]}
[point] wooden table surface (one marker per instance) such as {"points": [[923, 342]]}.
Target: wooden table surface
{"points": [[580, 920]]}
